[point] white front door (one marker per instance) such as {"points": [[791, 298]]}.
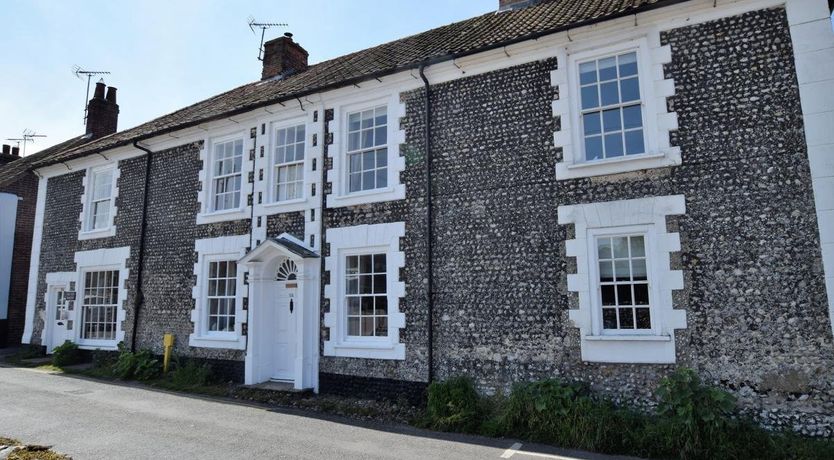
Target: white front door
{"points": [[287, 310], [60, 317]]}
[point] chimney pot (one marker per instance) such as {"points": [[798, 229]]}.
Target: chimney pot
{"points": [[282, 57], [111, 95], [16, 151], [7, 149], [99, 91], [102, 112]]}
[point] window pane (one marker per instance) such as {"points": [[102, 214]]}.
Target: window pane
{"points": [[632, 117], [353, 326], [352, 285], [609, 93], [591, 123], [353, 305], [368, 181], [381, 305], [356, 162], [587, 72], [353, 122], [381, 158], [593, 148], [620, 245], [381, 326], [613, 145], [381, 136], [608, 68], [606, 271], [379, 284], [638, 269], [367, 305], [608, 295], [381, 178], [641, 294], [643, 319], [604, 248], [353, 141], [638, 248], [609, 318], [590, 97], [367, 138], [629, 89], [628, 64], [626, 318], [622, 271], [623, 294], [368, 326], [365, 284], [611, 120], [634, 142]]}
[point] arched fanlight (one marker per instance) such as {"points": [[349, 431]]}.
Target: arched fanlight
{"points": [[287, 271]]}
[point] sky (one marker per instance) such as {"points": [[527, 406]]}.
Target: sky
{"points": [[165, 55]]}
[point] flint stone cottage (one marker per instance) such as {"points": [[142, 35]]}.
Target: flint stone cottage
{"points": [[617, 188]]}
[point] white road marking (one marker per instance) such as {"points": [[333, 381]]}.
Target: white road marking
{"points": [[511, 451]]}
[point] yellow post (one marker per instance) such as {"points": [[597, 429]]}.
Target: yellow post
{"points": [[168, 342]]}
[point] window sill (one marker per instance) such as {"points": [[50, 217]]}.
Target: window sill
{"points": [[276, 207], [231, 341], [95, 234], [620, 165], [368, 350], [366, 196], [222, 216], [628, 338], [97, 344]]}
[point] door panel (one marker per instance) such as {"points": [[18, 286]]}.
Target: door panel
{"points": [[286, 313]]}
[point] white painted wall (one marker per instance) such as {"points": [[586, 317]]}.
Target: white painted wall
{"points": [[813, 47], [8, 217]]}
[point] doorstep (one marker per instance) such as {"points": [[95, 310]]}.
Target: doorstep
{"points": [[283, 387]]}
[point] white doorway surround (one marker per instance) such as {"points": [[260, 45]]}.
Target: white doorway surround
{"points": [[283, 313], [59, 318]]}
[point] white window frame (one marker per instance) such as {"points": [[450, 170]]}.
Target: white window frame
{"points": [[654, 89], [648, 233], [361, 240], [94, 261], [272, 174], [213, 178], [86, 218], [227, 248], [361, 151], [639, 216], [340, 195], [82, 291], [205, 196]]}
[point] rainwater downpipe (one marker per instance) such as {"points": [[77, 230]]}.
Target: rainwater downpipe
{"points": [[429, 224], [139, 298]]}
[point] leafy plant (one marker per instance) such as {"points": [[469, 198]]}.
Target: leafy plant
{"points": [[192, 374], [141, 365], [66, 354], [454, 405], [701, 415]]}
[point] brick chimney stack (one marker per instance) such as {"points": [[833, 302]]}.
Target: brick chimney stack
{"points": [[7, 149], [509, 5], [283, 57], [102, 112], [16, 151]]}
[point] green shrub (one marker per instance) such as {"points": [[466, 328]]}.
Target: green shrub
{"points": [[192, 374], [66, 354], [700, 417], [454, 405], [564, 414], [141, 365]]}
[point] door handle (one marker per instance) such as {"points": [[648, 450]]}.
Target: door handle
{"points": [[291, 306], [60, 323]]}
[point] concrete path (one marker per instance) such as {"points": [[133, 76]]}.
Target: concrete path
{"points": [[89, 419]]}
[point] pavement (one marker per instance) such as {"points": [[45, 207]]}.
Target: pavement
{"points": [[90, 419]]}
